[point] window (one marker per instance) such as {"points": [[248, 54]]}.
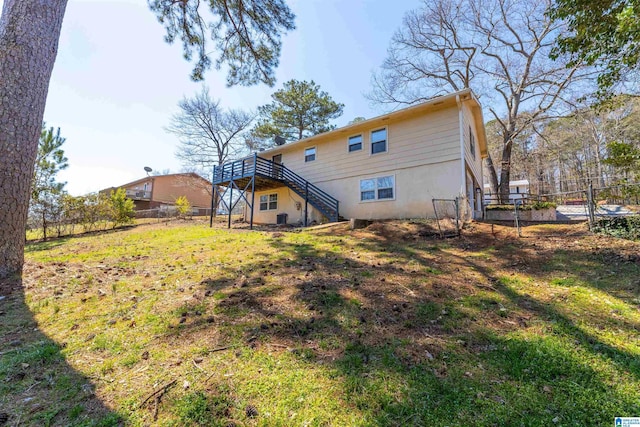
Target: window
{"points": [[381, 188], [268, 202], [472, 144], [379, 141], [355, 143], [310, 154]]}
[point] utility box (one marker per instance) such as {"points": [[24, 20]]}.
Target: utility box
{"points": [[281, 219]]}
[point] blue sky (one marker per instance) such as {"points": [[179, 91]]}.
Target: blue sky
{"points": [[116, 83]]}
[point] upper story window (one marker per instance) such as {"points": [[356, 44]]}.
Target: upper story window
{"points": [[379, 141], [269, 202], [355, 143], [310, 154], [381, 188], [472, 143]]}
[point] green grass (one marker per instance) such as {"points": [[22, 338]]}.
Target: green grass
{"points": [[321, 328]]}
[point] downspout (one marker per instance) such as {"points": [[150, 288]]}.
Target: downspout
{"points": [[462, 158]]}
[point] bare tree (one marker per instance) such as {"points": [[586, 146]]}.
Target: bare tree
{"points": [[498, 48], [208, 134]]}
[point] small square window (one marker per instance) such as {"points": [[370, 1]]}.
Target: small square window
{"points": [[268, 202], [310, 154], [355, 143], [379, 141]]}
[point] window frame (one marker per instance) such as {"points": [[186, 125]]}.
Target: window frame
{"points": [[268, 202], [386, 140], [315, 154], [376, 190], [472, 143], [349, 144]]}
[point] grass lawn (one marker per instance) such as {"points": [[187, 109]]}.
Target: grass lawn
{"points": [[177, 324]]}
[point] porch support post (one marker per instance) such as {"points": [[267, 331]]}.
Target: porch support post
{"points": [[253, 189], [231, 183], [213, 197], [306, 201]]}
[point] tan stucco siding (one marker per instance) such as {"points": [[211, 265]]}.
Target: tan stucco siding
{"points": [[418, 141], [286, 204], [414, 190], [415, 187]]}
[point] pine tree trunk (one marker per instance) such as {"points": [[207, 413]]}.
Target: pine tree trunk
{"points": [[29, 33]]}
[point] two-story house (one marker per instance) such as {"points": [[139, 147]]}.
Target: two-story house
{"points": [[388, 167], [156, 191]]}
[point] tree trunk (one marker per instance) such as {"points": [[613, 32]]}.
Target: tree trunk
{"points": [[505, 168], [44, 223], [29, 33], [493, 178]]}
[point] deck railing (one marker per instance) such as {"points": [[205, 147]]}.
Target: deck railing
{"points": [[258, 166], [138, 194]]}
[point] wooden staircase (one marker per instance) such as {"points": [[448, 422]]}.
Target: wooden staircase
{"points": [[262, 174]]}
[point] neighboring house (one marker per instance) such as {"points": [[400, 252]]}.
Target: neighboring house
{"points": [[517, 190], [391, 166], [162, 190]]}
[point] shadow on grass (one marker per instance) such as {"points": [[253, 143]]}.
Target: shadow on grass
{"points": [[45, 245], [37, 245], [402, 329], [423, 351], [38, 386]]}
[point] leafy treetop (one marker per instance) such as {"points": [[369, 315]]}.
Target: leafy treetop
{"points": [[604, 33], [298, 110], [246, 34], [50, 159]]}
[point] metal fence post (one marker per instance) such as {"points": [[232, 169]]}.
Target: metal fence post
{"points": [[590, 206]]}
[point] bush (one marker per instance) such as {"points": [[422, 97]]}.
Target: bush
{"points": [[534, 206], [626, 227], [122, 208], [183, 206]]}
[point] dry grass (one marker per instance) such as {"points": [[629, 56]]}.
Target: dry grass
{"points": [[381, 326]]}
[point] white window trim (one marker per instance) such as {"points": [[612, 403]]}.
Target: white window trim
{"points": [[376, 190], [361, 135], [386, 144], [472, 143], [315, 154], [269, 202]]}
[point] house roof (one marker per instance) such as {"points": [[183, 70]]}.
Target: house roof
{"points": [[465, 95], [152, 177]]}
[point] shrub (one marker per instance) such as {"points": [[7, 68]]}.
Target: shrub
{"points": [[533, 206], [183, 206], [626, 227], [122, 208]]}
